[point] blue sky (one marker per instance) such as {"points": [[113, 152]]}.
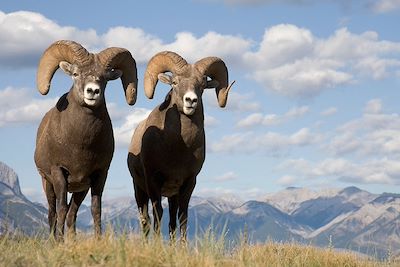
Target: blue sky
{"points": [[315, 103]]}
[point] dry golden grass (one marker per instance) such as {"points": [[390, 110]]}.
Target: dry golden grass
{"points": [[132, 250]]}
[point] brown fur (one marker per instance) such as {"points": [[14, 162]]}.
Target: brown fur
{"points": [[167, 150], [75, 144]]}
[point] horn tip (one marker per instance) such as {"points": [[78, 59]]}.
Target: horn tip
{"points": [[44, 89], [149, 95]]}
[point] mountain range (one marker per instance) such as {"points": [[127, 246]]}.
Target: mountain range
{"points": [[346, 218]]}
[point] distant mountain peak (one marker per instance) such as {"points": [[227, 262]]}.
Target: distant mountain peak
{"points": [[10, 178], [350, 190]]}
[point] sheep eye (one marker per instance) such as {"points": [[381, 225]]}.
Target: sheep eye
{"points": [[174, 83], [75, 74]]}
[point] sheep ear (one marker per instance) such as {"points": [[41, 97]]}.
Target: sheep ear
{"points": [[113, 74], [165, 78], [212, 84], [66, 67]]}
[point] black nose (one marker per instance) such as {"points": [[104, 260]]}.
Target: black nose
{"points": [[91, 91]]}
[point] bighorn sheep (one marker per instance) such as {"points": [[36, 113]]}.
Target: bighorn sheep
{"points": [[75, 141], [167, 149]]}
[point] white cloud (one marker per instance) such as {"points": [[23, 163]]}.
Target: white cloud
{"points": [[374, 106], [19, 106], [210, 121], [227, 47], [286, 180], [229, 176], [142, 45], [236, 101], [272, 119], [292, 61], [289, 60], [383, 6], [123, 134], [329, 111], [281, 44], [270, 142], [287, 63], [25, 35], [251, 120], [23, 27], [377, 171], [117, 112], [373, 134]]}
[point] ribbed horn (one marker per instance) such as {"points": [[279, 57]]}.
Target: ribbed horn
{"points": [[121, 58], [216, 69], [63, 50], [160, 63]]}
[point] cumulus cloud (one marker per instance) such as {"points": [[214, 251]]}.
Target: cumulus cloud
{"points": [[25, 35], [124, 132], [374, 133], [374, 106], [210, 121], [289, 60], [229, 176], [236, 101], [286, 180], [143, 45], [272, 119], [292, 61], [377, 171], [384, 6], [17, 105], [288, 63], [271, 143], [329, 111]]}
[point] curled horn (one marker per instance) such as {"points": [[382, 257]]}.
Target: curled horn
{"points": [[216, 69], [160, 63], [63, 50], [120, 58]]}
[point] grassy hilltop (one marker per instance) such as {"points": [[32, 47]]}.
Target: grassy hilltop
{"points": [[132, 250]]}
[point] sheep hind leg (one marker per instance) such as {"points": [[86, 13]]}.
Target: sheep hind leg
{"points": [[97, 187], [51, 200], [142, 201], [173, 210], [76, 201], [60, 190], [184, 198]]}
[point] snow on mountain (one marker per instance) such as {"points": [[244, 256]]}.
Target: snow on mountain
{"points": [[290, 198]]}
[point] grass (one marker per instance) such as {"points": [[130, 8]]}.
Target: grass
{"points": [[132, 250]]}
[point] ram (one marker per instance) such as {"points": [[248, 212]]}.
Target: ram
{"points": [[167, 149], [75, 142]]}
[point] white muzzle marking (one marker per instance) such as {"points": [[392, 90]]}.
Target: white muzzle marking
{"points": [[190, 101], [91, 93]]}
